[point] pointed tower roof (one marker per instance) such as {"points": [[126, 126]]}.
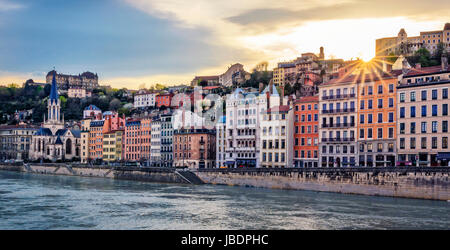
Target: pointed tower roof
{"points": [[54, 90]]}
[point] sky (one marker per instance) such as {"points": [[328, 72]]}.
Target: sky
{"points": [[134, 42]]}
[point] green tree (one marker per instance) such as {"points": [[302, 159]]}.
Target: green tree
{"points": [[115, 104]]}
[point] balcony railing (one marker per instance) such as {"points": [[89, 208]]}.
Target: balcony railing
{"points": [[338, 125], [337, 111], [338, 139], [338, 97]]}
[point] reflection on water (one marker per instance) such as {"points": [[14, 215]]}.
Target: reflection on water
{"points": [[60, 202]]}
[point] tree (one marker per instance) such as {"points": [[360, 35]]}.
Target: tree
{"points": [[115, 104]]}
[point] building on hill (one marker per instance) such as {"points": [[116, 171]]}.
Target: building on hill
{"points": [[91, 111], [53, 141], [205, 81], [404, 45], [86, 80]]}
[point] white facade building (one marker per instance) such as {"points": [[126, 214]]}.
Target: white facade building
{"points": [[155, 147], [144, 99], [243, 125], [220, 142]]}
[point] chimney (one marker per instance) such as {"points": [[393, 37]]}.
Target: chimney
{"points": [[444, 63], [418, 66]]}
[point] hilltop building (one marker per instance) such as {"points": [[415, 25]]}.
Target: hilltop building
{"points": [[86, 80], [404, 45]]}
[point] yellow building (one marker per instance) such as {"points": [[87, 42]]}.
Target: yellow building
{"points": [[113, 146], [85, 127], [281, 71]]}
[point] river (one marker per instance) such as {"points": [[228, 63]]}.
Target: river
{"points": [[29, 201]]}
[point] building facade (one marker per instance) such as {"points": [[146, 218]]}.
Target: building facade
{"points": [[221, 142], [15, 141], [422, 111], [377, 121], [194, 148], [277, 137], [338, 116], [306, 132], [156, 142], [166, 140], [143, 99], [86, 80]]}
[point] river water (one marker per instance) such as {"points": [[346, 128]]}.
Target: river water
{"points": [[30, 201]]}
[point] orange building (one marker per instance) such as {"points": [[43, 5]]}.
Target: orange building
{"points": [[163, 100], [96, 140], [306, 132], [377, 120], [145, 139]]}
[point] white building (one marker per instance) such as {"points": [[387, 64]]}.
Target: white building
{"points": [[220, 142], [155, 147], [144, 99], [91, 111], [243, 112], [277, 137]]}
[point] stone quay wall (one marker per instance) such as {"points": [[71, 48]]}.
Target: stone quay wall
{"points": [[147, 175], [433, 184]]}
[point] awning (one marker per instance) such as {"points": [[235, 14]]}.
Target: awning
{"points": [[443, 156], [229, 162]]}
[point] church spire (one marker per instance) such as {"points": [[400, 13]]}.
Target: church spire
{"points": [[54, 90]]}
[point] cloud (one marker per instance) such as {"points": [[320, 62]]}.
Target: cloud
{"points": [[6, 6]]}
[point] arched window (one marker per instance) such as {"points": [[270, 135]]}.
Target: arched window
{"points": [[68, 146]]}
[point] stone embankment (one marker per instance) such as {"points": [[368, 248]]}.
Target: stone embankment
{"points": [[420, 183]]}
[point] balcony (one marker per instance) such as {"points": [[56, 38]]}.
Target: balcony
{"points": [[338, 125], [338, 111], [338, 139], [338, 97]]}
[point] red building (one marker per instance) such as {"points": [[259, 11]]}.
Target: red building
{"points": [[306, 132], [163, 100]]}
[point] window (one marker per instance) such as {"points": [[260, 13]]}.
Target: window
{"points": [[402, 143], [361, 119], [391, 88], [434, 94], [412, 96], [380, 133], [412, 143], [413, 128], [380, 147], [391, 102], [424, 110], [361, 106], [434, 110], [369, 118], [445, 109], [369, 133], [444, 126], [434, 142], [424, 127], [380, 89], [369, 104], [402, 112], [413, 111], [361, 133], [391, 133], [444, 93], [391, 117], [423, 143], [380, 118], [434, 127], [424, 95], [402, 97], [380, 103], [370, 90], [402, 128], [444, 142]]}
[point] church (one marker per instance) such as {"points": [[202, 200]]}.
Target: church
{"points": [[53, 141]]}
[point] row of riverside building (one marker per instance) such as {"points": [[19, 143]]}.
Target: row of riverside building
{"points": [[362, 117]]}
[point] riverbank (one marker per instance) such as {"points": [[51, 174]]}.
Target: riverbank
{"points": [[417, 183], [428, 183], [162, 175]]}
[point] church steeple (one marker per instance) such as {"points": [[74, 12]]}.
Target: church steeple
{"points": [[54, 90]]}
